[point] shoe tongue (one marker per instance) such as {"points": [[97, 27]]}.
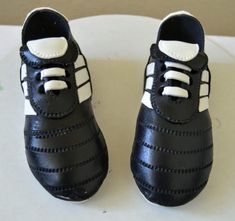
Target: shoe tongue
{"points": [[47, 51], [48, 48], [179, 50]]}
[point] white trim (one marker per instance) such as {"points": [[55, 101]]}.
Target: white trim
{"points": [[42, 8], [23, 71], [79, 62], [81, 76], [204, 90], [149, 83], [84, 92], [150, 69], [205, 76], [147, 200], [25, 88], [28, 109], [48, 48], [203, 104], [182, 12], [179, 50], [146, 100]]}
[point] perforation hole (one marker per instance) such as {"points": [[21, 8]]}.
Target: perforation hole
{"points": [[41, 89]]}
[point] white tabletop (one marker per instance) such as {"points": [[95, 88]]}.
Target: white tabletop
{"points": [[117, 48]]}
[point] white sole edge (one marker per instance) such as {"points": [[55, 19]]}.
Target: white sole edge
{"points": [[174, 14], [41, 8], [148, 201]]}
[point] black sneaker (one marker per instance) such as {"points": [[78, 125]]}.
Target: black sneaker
{"points": [[172, 152], [65, 148]]}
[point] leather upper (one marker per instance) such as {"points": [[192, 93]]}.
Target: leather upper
{"points": [[172, 152], [184, 109], [171, 163], [65, 147], [44, 103]]}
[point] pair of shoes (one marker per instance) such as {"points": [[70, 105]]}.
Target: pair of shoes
{"points": [[66, 151]]}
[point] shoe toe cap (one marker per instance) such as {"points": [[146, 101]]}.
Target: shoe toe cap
{"points": [[168, 197], [169, 179], [73, 175], [80, 191], [75, 184]]}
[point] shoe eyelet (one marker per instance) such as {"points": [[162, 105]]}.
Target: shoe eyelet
{"points": [[41, 89], [38, 76], [67, 74], [163, 68], [191, 82], [68, 84], [56, 92], [160, 90], [174, 99], [162, 78], [189, 95]]}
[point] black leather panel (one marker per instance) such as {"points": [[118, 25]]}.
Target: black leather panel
{"points": [[168, 197], [78, 191], [172, 159], [71, 174], [66, 154], [153, 137], [198, 123], [167, 157], [60, 158], [164, 180], [82, 113], [79, 134]]}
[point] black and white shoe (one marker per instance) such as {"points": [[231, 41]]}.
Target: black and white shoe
{"points": [[172, 152], [65, 148]]}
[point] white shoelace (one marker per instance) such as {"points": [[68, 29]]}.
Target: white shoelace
{"points": [[54, 84], [176, 91]]}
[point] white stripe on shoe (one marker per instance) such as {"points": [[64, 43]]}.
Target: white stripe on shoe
{"points": [[81, 76], [80, 62], [84, 92]]}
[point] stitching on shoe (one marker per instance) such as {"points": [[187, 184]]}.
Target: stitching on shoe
{"points": [[156, 106], [64, 148], [35, 63], [44, 113], [170, 191], [38, 109], [67, 168], [174, 132], [172, 170], [36, 106], [58, 131], [76, 185], [172, 151]]}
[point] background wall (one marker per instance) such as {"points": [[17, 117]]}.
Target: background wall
{"points": [[217, 16]]}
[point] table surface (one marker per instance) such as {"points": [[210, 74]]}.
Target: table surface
{"points": [[117, 48]]}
